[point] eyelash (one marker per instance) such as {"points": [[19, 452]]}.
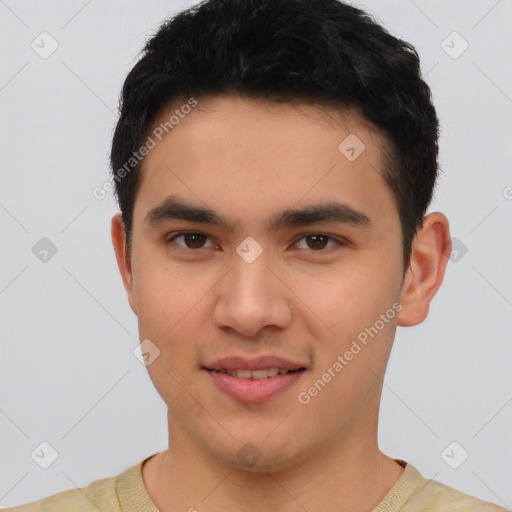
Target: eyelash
{"points": [[339, 242]]}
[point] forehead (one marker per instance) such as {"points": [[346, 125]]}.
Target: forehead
{"points": [[238, 111], [257, 126], [259, 153]]}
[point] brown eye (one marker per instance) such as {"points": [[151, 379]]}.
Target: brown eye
{"points": [[320, 243], [317, 242], [194, 240], [191, 240]]}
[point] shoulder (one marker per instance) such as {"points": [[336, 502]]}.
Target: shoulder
{"points": [[434, 496], [414, 493], [100, 494]]}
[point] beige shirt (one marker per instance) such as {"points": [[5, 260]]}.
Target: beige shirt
{"points": [[126, 493]]}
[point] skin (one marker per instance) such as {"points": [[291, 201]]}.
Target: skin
{"points": [[246, 160]]}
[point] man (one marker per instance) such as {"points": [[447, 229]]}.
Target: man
{"points": [[273, 163]]}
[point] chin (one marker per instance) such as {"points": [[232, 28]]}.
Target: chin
{"points": [[260, 456]]}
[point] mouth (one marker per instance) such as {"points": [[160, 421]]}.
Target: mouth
{"points": [[262, 374], [254, 386]]}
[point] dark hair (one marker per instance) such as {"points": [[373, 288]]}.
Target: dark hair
{"points": [[286, 50]]}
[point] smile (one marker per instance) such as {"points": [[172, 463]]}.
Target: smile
{"points": [[254, 386], [256, 374]]}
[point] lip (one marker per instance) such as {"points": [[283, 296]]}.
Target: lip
{"points": [[253, 390], [257, 363]]}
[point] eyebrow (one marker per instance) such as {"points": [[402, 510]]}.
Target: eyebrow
{"points": [[173, 208]]}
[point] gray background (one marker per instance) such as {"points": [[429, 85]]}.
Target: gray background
{"points": [[68, 375]]}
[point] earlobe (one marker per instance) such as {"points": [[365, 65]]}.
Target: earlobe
{"points": [[118, 233], [430, 253]]}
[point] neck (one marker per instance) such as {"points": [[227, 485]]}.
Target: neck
{"points": [[344, 476]]}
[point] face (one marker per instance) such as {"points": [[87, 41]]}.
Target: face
{"points": [[255, 234]]}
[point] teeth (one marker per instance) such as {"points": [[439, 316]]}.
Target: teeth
{"points": [[255, 374]]}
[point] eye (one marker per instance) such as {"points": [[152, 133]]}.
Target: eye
{"points": [[315, 242], [318, 242], [191, 240]]}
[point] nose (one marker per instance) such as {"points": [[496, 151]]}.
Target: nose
{"points": [[251, 298]]}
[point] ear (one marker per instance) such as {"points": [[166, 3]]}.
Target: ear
{"points": [[431, 251], [118, 232]]}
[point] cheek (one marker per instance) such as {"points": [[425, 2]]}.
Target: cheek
{"points": [[168, 316], [348, 298], [165, 304], [162, 290]]}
